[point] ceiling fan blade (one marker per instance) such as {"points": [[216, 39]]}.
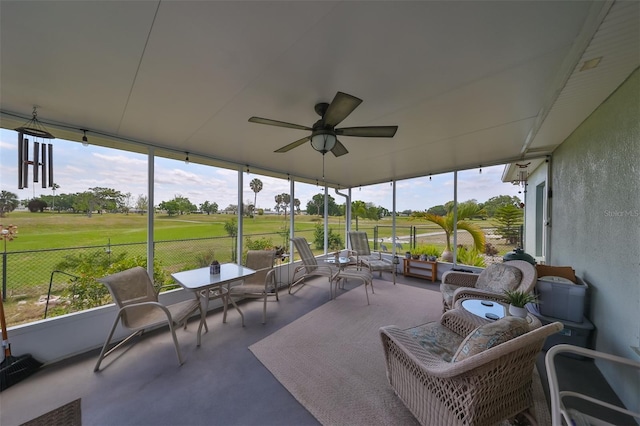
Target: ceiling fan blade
{"points": [[277, 123], [339, 149], [340, 107], [368, 131], [293, 144]]}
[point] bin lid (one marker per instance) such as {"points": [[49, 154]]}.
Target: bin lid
{"points": [[556, 279], [519, 254]]}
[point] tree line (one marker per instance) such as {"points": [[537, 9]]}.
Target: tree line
{"points": [[108, 200]]}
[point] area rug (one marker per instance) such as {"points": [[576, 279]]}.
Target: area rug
{"points": [[331, 359]]}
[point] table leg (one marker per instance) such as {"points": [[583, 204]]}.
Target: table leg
{"points": [[204, 308], [234, 305]]}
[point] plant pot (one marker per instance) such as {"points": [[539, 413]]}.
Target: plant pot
{"points": [[447, 256], [516, 311], [423, 257]]}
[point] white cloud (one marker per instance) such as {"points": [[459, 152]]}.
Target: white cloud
{"points": [[79, 168]]}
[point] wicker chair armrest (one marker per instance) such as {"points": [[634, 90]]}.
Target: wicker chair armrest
{"points": [[461, 279], [456, 321], [475, 293], [410, 346], [508, 353]]}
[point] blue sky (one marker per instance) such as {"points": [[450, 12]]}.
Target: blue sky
{"points": [[78, 168]]}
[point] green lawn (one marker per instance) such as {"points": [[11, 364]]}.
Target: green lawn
{"points": [[45, 239]]}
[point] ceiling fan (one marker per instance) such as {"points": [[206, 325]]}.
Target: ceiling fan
{"points": [[324, 133]]}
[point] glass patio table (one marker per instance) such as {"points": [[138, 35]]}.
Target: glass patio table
{"points": [[201, 281]]}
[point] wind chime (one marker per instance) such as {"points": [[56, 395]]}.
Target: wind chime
{"points": [[522, 176], [42, 153]]}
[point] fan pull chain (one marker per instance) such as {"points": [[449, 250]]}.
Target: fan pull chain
{"points": [[322, 168]]}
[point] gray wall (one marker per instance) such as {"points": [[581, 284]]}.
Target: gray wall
{"points": [[595, 224]]}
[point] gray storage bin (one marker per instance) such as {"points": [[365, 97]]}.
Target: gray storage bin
{"points": [[573, 333], [562, 300]]}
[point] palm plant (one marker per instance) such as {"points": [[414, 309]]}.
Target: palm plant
{"points": [[519, 298], [256, 186], [465, 211]]}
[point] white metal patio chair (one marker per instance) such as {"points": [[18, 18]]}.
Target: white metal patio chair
{"points": [[571, 416]]}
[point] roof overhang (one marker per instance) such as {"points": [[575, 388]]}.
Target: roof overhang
{"points": [[468, 83]]}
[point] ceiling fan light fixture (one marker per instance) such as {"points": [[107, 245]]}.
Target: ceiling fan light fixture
{"points": [[323, 141]]}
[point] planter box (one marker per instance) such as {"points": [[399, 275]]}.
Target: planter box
{"points": [[421, 269]]}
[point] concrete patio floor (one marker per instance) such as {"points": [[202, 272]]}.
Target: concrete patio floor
{"points": [[220, 383]]}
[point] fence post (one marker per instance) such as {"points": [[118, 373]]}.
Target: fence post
{"points": [[412, 240], [4, 275], [375, 238]]}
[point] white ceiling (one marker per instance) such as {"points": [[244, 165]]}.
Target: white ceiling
{"points": [[468, 83]]}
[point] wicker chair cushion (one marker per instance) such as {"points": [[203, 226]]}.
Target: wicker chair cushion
{"points": [[490, 335], [499, 277], [437, 339]]}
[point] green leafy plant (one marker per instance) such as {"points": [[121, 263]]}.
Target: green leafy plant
{"points": [[509, 219], [519, 298], [466, 210], [262, 243], [85, 292], [334, 240], [427, 249], [470, 257], [205, 258]]}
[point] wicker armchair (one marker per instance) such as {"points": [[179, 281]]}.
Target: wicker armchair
{"points": [[488, 284], [484, 388]]}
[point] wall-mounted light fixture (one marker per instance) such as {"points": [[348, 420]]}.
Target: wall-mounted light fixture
{"points": [[186, 159], [85, 141]]}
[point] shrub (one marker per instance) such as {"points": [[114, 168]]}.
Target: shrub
{"points": [[205, 259], [490, 250], [85, 292], [427, 249], [334, 240], [261, 244], [470, 257]]}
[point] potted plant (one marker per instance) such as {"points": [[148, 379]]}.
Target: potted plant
{"points": [[517, 300]]}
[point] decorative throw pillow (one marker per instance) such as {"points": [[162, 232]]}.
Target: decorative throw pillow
{"points": [[499, 277], [490, 335]]}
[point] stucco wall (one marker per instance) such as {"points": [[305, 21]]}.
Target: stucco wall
{"points": [[595, 224]]}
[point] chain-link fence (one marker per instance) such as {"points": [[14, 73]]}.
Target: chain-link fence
{"points": [[409, 238], [43, 283]]}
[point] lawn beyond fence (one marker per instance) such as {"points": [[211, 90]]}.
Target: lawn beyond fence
{"points": [[46, 240]]}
